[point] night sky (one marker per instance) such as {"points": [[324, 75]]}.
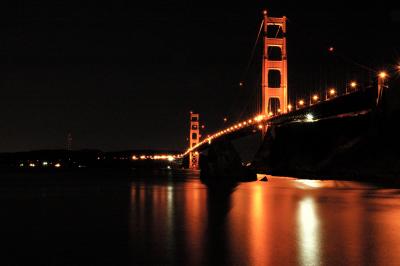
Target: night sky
{"points": [[124, 75]]}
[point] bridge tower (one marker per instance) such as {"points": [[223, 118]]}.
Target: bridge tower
{"points": [[69, 142], [194, 139], [274, 66]]}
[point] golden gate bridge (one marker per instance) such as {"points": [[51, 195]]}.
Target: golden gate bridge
{"points": [[276, 108]]}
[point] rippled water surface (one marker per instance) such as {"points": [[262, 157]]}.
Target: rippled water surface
{"points": [[172, 218]]}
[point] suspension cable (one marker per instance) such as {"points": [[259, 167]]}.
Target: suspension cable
{"points": [[246, 70], [253, 52]]}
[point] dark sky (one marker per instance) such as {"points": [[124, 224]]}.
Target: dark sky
{"points": [[124, 75]]}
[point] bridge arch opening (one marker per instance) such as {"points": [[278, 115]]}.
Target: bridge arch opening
{"points": [[274, 105], [274, 53], [274, 78], [274, 31]]}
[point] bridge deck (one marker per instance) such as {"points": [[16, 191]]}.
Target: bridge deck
{"points": [[352, 103]]}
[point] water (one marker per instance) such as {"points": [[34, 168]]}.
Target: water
{"points": [[166, 218]]}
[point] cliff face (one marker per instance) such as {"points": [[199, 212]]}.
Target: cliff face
{"points": [[362, 147]]}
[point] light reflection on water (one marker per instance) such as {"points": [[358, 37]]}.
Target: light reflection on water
{"points": [[174, 219], [285, 221], [309, 234]]}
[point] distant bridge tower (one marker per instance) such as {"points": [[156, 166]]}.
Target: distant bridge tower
{"points": [[194, 139], [274, 66], [69, 142]]}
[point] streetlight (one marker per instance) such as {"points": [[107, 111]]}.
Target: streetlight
{"points": [[300, 103], [382, 74], [381, 83], [353, 86], [314, 99], [330, 93], [289, 107]]}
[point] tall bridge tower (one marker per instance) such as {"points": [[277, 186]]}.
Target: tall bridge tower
{"points": [[194, 139], [69, 142], [274, 66]]}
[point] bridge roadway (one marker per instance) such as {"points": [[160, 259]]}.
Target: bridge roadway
{"points": [[351, 104]]}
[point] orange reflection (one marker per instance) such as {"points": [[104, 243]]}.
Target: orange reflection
{"points": [[284, 221], [308, 231], [310, 183], [195, 222], [258, 235]]}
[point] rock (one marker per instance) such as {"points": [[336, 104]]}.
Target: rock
{"points": [[224, 163]]}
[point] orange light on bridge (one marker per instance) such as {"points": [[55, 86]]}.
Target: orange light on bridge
{"points": [[289, 107], [315, 97], [382, 74], [279, 110], [332, 92], [259, 118], [352, 87], [260, 126], [250, 121], [301, 102], [270, 114]]}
